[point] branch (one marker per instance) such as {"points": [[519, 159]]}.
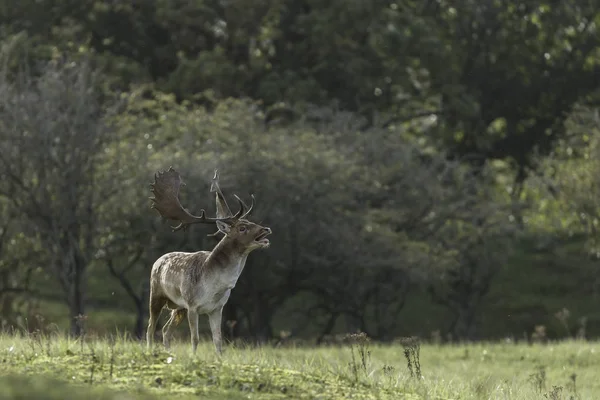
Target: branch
{"points": [[14, 290], [402, 119], [120, 275], [15, 179]]}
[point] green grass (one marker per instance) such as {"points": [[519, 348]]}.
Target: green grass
{"points": [[57, 368]]}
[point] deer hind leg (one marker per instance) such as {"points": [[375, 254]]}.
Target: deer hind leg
{"points": [[174, 320], [156, 306]]}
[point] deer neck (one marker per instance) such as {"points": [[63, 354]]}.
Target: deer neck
{"points": [[228, 256]]}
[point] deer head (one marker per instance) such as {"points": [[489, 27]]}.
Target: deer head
{"points": [[166, 188]]}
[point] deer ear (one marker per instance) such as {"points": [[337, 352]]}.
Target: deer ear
{"points": [[223, 227]]}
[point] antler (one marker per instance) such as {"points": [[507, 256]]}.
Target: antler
{"points": [[166, 201], [223, 209], [249, 210]]}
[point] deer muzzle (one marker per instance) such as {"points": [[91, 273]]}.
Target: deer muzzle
{"points": [[262, 236]]}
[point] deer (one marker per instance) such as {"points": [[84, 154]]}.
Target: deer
{"points": [[194, 283]]}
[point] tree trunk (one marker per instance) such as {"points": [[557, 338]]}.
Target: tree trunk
{"points": [[140, 323], [77, 292], [141, 303], [328, 327], [463, 327], [77, 312], [262, 325]]}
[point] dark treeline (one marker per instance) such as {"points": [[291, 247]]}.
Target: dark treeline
{"points": [[427, 167]]}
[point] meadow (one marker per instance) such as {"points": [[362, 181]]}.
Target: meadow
{"points": [[54, 367]]}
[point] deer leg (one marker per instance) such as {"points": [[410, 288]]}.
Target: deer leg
{"points": [[193, 321], [166, 328], [214, 319], [156, 306], [176, 317]]}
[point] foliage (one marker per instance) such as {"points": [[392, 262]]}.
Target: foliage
{"points": [[399, 151], [511, 74], [497, 80], [574, 169]]}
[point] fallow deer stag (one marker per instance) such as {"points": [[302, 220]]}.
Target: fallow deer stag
{"points": [[201, 282]]}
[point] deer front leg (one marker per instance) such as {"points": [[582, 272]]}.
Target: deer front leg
{"points": [[193, 320], [214, 319]]}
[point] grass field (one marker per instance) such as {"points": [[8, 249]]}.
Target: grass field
{"points": [[57, 368]]}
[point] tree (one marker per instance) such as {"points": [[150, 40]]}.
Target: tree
{"points": [[471, 247], [52, 139], [268, 51], [509, 74], [567, 185], [449, 224]]}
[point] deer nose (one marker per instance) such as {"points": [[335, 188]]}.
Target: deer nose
{"points": [[268, 230]]}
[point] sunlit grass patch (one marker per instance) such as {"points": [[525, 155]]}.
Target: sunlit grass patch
{"points": [[112, 367]]}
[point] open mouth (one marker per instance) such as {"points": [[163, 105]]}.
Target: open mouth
{"points": [[262, 238]]}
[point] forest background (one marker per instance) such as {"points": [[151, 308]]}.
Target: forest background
{"points": [[427, 167]]}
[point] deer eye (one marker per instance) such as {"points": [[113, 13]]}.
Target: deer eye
{"points": [[242, 228]]}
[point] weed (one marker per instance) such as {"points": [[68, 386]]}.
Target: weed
{"points": [[412, 350], [112, 343], [563, 317], [466, 354], [555, 393], [92, 365], [539, 334], [231, 326], [283, 338], [481, 387], [388, 370], [538, 379], [436, 337], [572, 385], [581, 332], [81, 325], [360, 341]]}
